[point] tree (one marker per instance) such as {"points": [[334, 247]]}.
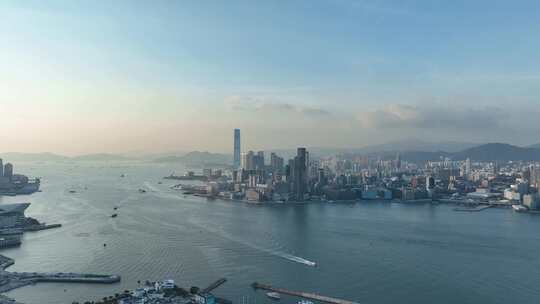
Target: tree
{"points": [[194, 290]]}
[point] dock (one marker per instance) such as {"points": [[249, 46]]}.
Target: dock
{"points": [[214, 285], [12, 280], [42, 227], [474, 209], [301, 294]]}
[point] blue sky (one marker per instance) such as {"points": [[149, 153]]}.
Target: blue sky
{"points": [[126, 75]]}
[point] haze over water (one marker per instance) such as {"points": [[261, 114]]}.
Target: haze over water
{"points": [[366, 252]]}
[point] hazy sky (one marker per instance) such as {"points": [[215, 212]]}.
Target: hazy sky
{"points": [[114, 76]]}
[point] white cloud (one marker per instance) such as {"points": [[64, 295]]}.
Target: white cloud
{"points": [[432, 116], [263, 105]]}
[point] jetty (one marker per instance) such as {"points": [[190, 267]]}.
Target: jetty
{"points": [[305, 295], [214, 285], [13, 280], [473, 209]]}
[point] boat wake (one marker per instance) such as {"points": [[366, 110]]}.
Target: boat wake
{"points": [[225, 235], [300, 260], [269, 251], [151, 187]]}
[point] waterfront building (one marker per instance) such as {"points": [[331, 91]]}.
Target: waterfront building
{"points": [[512, 195], [531, 201], [8, 171], [236, 152], [299, 174], [12, 215]]}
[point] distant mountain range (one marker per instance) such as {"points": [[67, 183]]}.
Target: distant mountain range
{"points": [[17, 156], [197, 158], [487, 152], [410, 150]]}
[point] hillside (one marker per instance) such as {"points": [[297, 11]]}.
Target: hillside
{"points": [[197, 158], [100, 157], [498, 152]]}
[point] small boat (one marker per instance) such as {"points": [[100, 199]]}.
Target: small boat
{"points": [[159, 183], [115, 208], [273, 295], [142, 191], [304, 301], [72, 191], [519, 208], [114, 215], [122, 175]]}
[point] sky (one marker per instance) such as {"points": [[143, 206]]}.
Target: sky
{"points": [[118, 76]]}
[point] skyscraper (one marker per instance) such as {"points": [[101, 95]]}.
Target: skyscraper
{"points": [[276, 163], [259, 160], [248, 161], [236, 161], [299, 174], [8, 171], [1, 168]]}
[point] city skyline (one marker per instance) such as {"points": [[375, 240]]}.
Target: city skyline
{"points": [[86, 77]]}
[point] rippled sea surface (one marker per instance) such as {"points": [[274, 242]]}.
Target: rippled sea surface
{"points": [[366, 252]]}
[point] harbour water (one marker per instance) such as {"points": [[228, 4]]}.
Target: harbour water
{"points": [[373, 253]]}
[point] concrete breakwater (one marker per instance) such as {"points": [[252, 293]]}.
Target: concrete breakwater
{"points": [[15, 225], [13, 280]]}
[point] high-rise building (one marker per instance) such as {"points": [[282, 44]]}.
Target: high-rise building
{"points": [[299, 174], [398, 161], [259, 160], [276, 163], [467, 167], [8, 171], [236, 155], [248, 161], [1, 168]]}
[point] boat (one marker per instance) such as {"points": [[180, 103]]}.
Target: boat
{"points": [[142, 191], [114, 215], [159, 183], [122, 175], [115, 208], [72, 191], [273, 295], [519, 208], [304, 301]]}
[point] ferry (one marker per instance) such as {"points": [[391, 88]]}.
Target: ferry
{"points": [[519, 208], [273, 295]]}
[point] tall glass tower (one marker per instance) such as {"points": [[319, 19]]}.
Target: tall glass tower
{"points": [[236, 162]]}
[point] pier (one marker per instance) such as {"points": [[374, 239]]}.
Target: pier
{"points": [[474, 209], [214, 285], [13, 280], [41, 227], [300, 294]]}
